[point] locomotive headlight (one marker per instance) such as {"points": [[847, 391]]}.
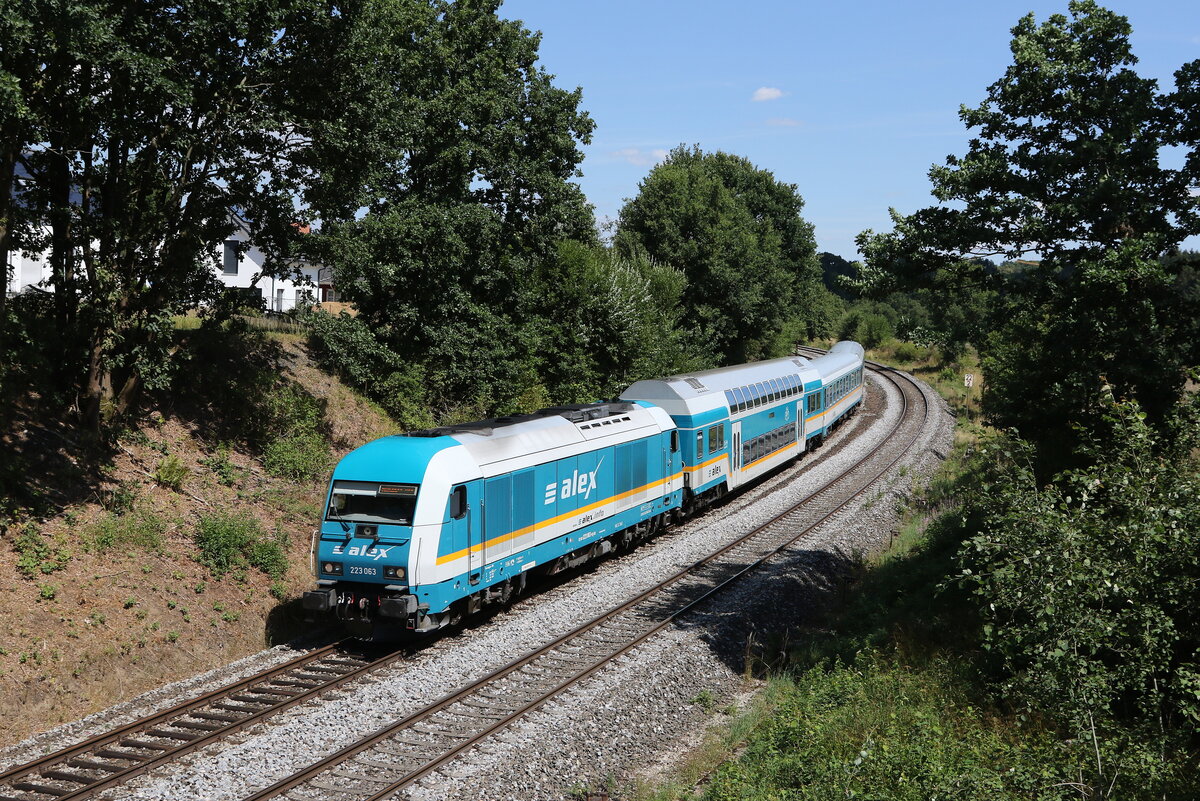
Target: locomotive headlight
{"points": [[332, 568], [393, 572]]}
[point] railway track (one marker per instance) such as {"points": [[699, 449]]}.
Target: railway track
{"points": [[431, 738], [113, 757], [405, 752]]}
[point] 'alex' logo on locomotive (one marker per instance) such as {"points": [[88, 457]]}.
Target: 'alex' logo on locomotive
{"points": [[577, 484], [375, 553]]}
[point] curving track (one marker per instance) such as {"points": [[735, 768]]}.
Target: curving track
{"points": [[431, 738], [420, 744]]}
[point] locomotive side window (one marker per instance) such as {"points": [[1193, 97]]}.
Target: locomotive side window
{"points": [[699, 444], [674, 441], [458, 502]]}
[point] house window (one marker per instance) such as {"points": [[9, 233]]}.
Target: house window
{"points": [[230, 264]]}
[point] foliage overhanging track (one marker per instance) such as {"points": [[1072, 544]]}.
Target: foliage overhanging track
{"points": [[403, 753], [113, 757]]}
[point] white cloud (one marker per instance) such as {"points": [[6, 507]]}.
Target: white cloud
{"points": [[639, 157], [766, 93], [784, 122]]}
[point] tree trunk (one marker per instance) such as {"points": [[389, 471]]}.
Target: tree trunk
{"points": [[8, 166]]}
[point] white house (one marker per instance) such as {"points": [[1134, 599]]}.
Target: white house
{"points": [[241, 270]]}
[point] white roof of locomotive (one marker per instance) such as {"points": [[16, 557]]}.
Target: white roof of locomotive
{"points": [[528, 440]]}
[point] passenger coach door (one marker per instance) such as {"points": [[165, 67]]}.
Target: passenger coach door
{"points": [[800, 426], [735, 455]]}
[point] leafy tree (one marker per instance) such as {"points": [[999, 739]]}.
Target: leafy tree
{"points": [[477, 151], [1086, 588], [737, 235], [602, 322], [141, 129], [835, 272], [1065, 165]]}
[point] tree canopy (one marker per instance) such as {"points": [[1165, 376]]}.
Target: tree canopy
{"points": [[420, 135], [736, 233], [1066, 166]]}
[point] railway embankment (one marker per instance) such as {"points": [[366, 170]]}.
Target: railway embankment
{"points": [[177, 548]]}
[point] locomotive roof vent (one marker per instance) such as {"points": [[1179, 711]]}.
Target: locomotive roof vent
{"points": [[578, 413]]}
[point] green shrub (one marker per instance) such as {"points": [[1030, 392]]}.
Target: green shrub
{"points": [[301, 457], [120, 499], [1086, 588], [268, 556], [878, 730], [297, 448], [35, 555], [171, 472], [228, 541], [227, 473], [911, 352], [346, 346], [872, 330]]}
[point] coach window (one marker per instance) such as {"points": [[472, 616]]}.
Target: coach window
{"points": [[774, 390], [699, 444], [716, 438], [760, 394], [741, 399]]}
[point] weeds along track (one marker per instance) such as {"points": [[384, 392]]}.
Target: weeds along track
{"points": [[429, 740], [116, 756]]}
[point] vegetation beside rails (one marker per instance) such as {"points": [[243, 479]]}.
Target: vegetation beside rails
{"points": [[980, 656]]}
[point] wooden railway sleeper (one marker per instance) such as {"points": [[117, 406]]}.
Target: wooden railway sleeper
{"points": [[192, 724], [215, 716], [67, 776], [359, 777], [238, 707], [253, 698], [322, 669], [186, 736], [108, 753], [146, 745], [92, 764], [44, 789]]}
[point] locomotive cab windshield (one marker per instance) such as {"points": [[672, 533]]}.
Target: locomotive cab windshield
{"points": [[370, 502]]}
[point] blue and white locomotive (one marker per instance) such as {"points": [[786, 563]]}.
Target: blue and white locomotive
{"points": [[423, 528]]}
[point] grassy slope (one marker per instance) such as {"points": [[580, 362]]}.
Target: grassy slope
{"points": [[117, 603]]}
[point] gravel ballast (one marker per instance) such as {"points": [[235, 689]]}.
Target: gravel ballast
{"points": [[625, 717]]}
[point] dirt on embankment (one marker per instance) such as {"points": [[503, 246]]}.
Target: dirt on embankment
{"points": [[103, 596]]}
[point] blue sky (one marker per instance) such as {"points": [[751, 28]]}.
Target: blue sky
{"points": [[861, 98]]}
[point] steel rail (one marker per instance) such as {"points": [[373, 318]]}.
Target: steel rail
{"points": [[20, 778]]}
